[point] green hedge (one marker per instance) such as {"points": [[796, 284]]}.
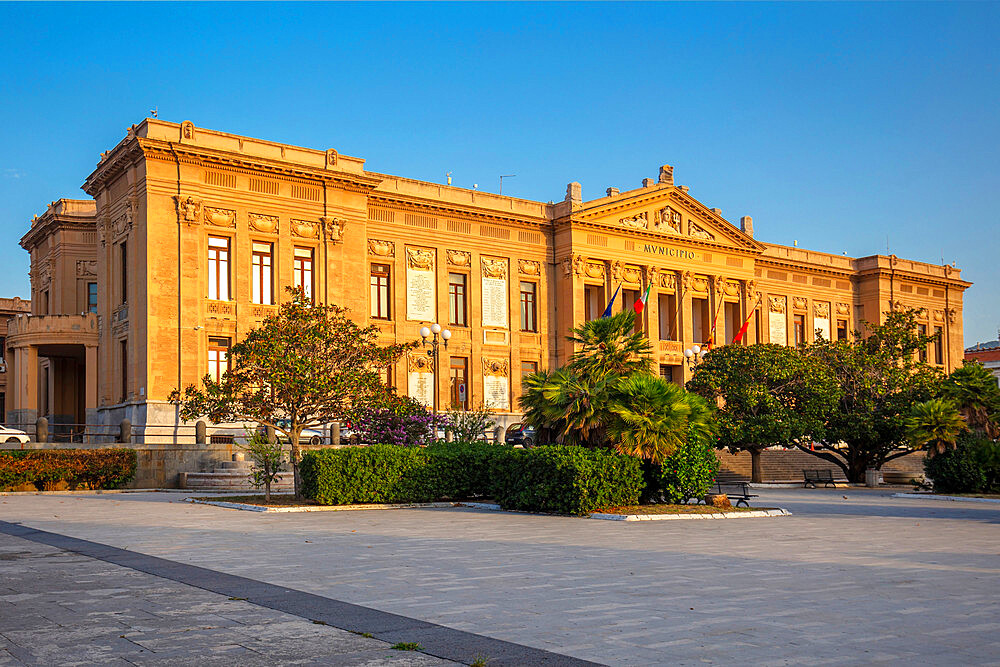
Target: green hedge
{"points": [[689, 472], [89, 468], [972, 467], [569, 480]]}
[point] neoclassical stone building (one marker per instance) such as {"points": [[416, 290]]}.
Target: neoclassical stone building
{"points": [[192, 234]]}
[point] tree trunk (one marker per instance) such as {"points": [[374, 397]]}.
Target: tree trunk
{"points": [[296, 457], [756, 474], [267, 483], [856, 469]]}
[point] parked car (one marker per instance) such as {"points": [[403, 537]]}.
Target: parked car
{"points": [[309, 436], [520, 434], [13, 435]]}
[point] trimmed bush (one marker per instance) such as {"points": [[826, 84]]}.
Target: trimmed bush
{"points": [[972, 467], [567, 480], [689, 472], [461, 470], [88, 468], [375, 474]]}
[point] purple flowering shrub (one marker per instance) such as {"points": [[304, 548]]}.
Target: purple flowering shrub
{"points": [[398, 420]]}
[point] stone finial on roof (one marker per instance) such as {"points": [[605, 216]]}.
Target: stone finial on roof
{"points": [[574, 192], [613, 192], [666, 175], [647, 183], [746, 225]]}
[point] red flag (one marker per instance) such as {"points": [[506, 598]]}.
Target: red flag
{"points": [[743, 329]]}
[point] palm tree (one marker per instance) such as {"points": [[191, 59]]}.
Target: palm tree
{"points": [[935, 424], [974, 390], [570, 405], [652, 418], [610, 345]]}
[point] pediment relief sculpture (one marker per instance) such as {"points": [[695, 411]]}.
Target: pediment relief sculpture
{"points": [[459, 258], [333, 229], [420, 259], [952, 315], [220, 217], [304, 228], [595, 270], [381, 248], [418, 362], [631, 274], [573, 265], [268, 224], [638, 221], [496, 367], [777, 304], [843, 309], [86, 267], [821, 310], [529, 267], [939, 316], [494, 268], [188, 208], [699, 284], [616, 270], [668, 280], [668, 220], [800, 303], [698, 232]]}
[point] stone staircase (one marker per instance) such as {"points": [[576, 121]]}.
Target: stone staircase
{"points": [[787, 466], [231, 476]]}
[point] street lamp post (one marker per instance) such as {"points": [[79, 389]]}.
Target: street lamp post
{"points": [[693, 356], [433, 332]]}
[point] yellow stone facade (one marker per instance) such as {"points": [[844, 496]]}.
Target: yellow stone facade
{"points": [[181, 199]]}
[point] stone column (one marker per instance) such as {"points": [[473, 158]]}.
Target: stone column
{"points": [[25, 386], [90, 397]]}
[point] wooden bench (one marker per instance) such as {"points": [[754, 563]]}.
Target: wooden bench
{"points": [[812, 477], [740, 491]]}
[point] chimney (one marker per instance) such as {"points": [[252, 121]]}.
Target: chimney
{"points": [[613, 192], [574, 192], [746, 225], [666, 175], [647, 183]]}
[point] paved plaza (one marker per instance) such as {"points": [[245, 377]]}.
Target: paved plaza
{"points": [[862, 579]]}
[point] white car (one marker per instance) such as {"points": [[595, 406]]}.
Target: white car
{"points": [[13, 435]]}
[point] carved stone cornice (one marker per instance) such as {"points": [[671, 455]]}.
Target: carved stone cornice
{"points": [[494, 268], [527, 267], [420, 259], [776, 304], [496, 367], [459, 258], [381, 248], [260, 222]]}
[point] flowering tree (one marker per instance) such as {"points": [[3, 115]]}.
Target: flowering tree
{"points": [[394, 420], [305, 366]]}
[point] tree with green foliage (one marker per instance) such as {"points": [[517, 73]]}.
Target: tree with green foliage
{"points": [[975, 391], [880, 377], [610, 345], [935, 424], [471, 425], [303, 367], [268, 457], [570, 407], [768, 395]]}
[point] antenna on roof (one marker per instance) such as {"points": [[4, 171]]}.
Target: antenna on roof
{"points": [[503, 177]]}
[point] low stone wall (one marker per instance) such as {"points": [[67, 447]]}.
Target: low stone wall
{"points": [[787, 465], [159, 466]]}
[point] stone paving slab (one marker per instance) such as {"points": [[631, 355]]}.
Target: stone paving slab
{"points": [[853, 577]]}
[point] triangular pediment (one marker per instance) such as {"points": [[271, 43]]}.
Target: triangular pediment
{"points": [[665, 211]]}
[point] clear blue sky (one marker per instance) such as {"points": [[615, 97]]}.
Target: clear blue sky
{"points": [[837, 125]]}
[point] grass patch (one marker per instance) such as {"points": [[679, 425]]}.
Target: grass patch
{"points": [[407, 646], [672, 509]]}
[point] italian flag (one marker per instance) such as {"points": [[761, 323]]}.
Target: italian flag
{"points": [[640, 303]]}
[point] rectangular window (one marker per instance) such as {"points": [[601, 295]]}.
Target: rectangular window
{"points": [[841, 329], [799, 325], [529, 307], [528, 367], [218, 268], [123, 256], [262, 273], [302, 270], [667, 312], [593, 301], [385, 375], [45, 302], [218, 357], [123, 350], [922, 354], [380, 293], [91, 297], [731, 313], [456, 299], [459, 383], [938, 346], [700, 320]]}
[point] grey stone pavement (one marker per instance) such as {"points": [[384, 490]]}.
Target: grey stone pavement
{"points": [[856, 580]]}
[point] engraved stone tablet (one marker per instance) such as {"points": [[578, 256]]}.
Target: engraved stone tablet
{"points": [[495, 310], [496, 392], [421, 388], [420, 285], [778, 328]]}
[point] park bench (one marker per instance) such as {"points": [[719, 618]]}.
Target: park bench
{"points": [[812, 477], [738, 491]]}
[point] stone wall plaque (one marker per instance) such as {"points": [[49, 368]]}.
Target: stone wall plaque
{"points": [[778, 328], [495, 309], [420, 386], [496, 392], [420, 285]]}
